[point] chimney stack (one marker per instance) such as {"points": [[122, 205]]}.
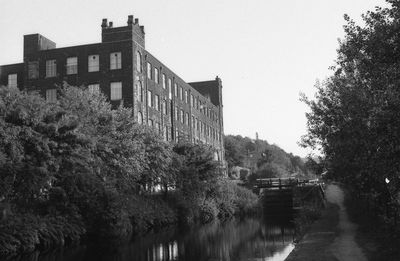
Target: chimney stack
{"points": [[110, 24], [104, 23], [136, 20], [130, 19]]}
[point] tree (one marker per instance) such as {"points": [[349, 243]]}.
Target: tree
{"points": [[233, 155], [355, 117]]}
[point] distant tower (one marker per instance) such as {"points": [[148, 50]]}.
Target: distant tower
{"points": [[256, 135]]}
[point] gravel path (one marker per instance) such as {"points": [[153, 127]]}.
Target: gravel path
{"points": [[331, 238], [344, 248]]}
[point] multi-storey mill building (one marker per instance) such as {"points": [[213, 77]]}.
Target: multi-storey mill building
{"points": [[122, 69]]}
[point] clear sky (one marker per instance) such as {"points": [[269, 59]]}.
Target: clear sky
{"points": [[266, 52]]}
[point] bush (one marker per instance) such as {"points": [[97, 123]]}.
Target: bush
{"points": [[208, 210], [150, 212], [221, 200], [246, 200], [25, 233]]}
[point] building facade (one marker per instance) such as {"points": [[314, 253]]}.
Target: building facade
{"points": [[122, 69]]}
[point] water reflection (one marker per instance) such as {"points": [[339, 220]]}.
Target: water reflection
{"points": [[248, 239]]}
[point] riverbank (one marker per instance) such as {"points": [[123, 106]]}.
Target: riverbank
{"points": [[332, 237], [23, 232]]}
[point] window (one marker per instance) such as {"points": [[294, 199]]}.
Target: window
{"points": [[157, 102], [33, 70], [187, 119], [165, 134], [12, 80], [186, 96], [138, 62], [170, 88], [115, 61], [176, 113], [51, 95], [140, 91], [164, 81], [149, 74], [181, 93], [72, 65], [140, 117], [192, 100], [94, 88], [151, 123], [182, 117], [156, 75], [149, 99], [93, 63], [164, 107], [51, 68], [116, 91], [176, 89]]}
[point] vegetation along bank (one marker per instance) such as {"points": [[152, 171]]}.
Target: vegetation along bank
{"points": [[76, 170]]}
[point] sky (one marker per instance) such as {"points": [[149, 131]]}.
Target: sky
{"points": [[266, 52]]}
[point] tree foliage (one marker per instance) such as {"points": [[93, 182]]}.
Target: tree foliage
{"points": [[80, 167], [354, 119], [264, 159]]}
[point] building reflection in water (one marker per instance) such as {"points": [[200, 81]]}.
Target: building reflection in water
{"points": [[251, 238]]}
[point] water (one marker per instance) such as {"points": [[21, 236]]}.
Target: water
{"points": [[246, 239]]}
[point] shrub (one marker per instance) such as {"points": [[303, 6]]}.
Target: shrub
{"points": [[26, 232]]}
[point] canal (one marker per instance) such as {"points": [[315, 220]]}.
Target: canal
{"points": [[236, 239]]}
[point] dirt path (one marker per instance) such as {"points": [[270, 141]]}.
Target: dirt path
{"points": [[331, 238], [344, 247]]}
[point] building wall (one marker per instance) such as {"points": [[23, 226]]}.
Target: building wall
{"points": [[6, 70], [202, 120]]}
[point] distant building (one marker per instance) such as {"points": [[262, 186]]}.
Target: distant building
{"points": [[122, 69]]}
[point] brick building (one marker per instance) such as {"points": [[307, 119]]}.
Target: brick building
{"points": [[122, 69]]}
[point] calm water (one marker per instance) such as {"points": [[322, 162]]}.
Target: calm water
{"points": [[247, 239]]}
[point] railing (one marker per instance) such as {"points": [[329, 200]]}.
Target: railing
{"points": [[273, 183]]}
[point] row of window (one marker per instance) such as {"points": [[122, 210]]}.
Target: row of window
{"points": [[179, 92], [154, 101], [210, 113], [115, 91], [203, 128], [71, 66], [157, 126], [116, 94]]}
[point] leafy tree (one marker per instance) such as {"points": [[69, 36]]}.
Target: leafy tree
{"points": [[259, 156], [265, 158], [233, 155], [355, 116]]}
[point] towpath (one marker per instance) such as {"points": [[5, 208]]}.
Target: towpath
{"points": [[332, 237]]}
